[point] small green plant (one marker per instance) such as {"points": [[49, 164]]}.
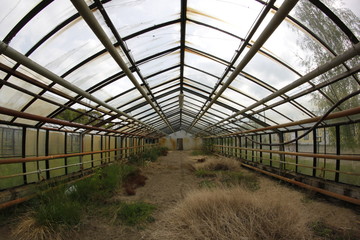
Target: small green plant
{"points": [[135, 213], [202, 173], [325, 231], [321, 229], [207, 184]]}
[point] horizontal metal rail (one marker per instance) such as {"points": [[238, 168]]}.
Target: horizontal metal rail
{"points": [[40, 171], [41, 158], [345, 113], [306, 186], [26, 198], [311, 167], [316, 155]]}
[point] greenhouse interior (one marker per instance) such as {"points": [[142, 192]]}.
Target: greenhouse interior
{"points": [[87, 84]]}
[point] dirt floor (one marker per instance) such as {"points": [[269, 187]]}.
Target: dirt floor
{"points": [[169, 180]]}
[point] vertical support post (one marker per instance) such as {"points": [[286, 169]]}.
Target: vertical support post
{"points": [[246, 151], [261, 153], [125, 147], [338, 151], [240, 144], [66, 152], [101, 148], [37, 154], [81, 150], [282, 164], [314, 151], [296, 150], [270, 141], [252, 146], [235, 145], [116, 146], [23, 152], [92, 149], [108, 148], [47, 146]]}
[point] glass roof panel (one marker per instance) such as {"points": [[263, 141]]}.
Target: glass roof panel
{"points": [[167, 97], [41, 108], [150, 43], [163, 77], [270, 72], [291, 112], [198, 76], [125, 98], [166, 89], [231, 104], [243, 100], [115, 88], [156, 65], [13, 99], [249, 87], [164, 86], [7, 61], [232, 16], [132, 16], [208, 40], [203, 63], [75, 43], [11, 13], [24, 85], [44, 22], [94, 72]]}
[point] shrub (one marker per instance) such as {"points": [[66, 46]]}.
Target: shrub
{"points": [[163, 151], [232, 214], [135, 213]]}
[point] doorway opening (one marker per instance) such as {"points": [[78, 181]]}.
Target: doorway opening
{"points": [[179, 144]]}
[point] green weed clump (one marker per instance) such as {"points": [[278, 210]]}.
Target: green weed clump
{"points": [[135, 213], [327, 232], [203, 173], [61, 208], [103, 184], [207, 184], [55, 208], [149, 155]]}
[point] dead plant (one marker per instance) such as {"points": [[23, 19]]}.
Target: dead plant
{"points": [[232, 214], [28, 228]]}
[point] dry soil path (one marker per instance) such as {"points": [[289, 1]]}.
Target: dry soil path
{"points": [[168, 181]]}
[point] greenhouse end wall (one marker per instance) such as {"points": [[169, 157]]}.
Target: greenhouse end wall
{"points": [[173, 141]]}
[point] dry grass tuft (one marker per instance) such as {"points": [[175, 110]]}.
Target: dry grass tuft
{"points": [[218, 164], [232, 214], [28, 228]]}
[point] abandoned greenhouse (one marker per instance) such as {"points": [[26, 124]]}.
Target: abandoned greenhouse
{"points": [[160, 107]]}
